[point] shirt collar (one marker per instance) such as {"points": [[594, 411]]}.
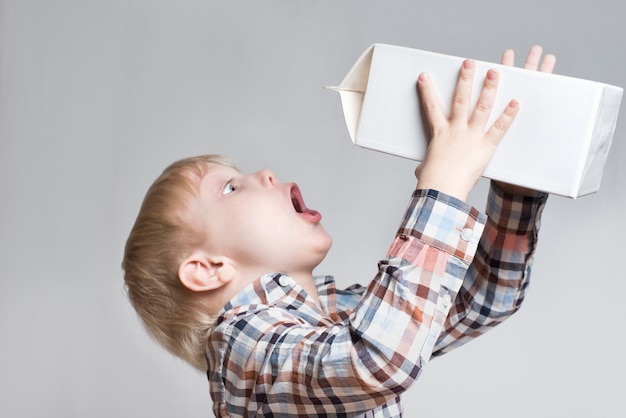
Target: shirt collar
{"points": [[270, 288]]}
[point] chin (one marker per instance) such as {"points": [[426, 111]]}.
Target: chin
{"points": [[324, 248]]}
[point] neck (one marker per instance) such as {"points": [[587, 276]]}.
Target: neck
{"points": [[305, 280]]}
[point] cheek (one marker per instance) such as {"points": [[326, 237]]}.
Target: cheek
{"points": [[244, 229], [252, 235]]}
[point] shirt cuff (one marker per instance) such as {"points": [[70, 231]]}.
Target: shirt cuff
{"points": [[443, 222], [513, 213]]}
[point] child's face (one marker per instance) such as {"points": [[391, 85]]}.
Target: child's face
{"points": [[260, 223]]}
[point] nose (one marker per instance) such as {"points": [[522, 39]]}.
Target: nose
{"points": [[267, 178]]}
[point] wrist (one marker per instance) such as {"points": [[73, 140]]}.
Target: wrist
{"points": [[450, 189]]}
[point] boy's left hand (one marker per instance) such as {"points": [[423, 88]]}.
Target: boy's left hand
{"points": [[532, 63]]}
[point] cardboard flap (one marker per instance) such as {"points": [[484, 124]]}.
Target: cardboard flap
{"points": [[352, 90]]}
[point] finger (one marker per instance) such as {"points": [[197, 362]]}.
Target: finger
{"points": [[462, 93], [485, 101], [508, 57], [549, 61], [430, 102], [502, 124], [534, 55]]}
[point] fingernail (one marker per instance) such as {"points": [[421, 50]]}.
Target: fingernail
{"points": [[492, 74], [513, 104], [423, 77], [468, 64]]}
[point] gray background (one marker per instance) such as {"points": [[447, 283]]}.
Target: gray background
{"points": [[97, 97]]}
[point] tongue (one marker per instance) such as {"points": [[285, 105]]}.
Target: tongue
{"points": [[311, 215], [302, 209]]}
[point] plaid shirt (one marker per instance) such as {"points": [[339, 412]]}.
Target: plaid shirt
{"points": [[450, 275]]}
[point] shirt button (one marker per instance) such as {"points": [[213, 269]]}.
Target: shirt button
{"points": [[446, 301], [466, 234], [283, 281]]}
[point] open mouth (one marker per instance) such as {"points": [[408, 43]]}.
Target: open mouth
{"points": [[301, 208], [296, 200]]}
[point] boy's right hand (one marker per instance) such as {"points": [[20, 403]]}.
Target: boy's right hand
{"points": [[460, 148]]}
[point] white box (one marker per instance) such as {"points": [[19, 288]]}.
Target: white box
{"points": [[558, 143]]}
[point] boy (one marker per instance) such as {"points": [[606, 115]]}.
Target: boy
{"points": [[219, 267]]}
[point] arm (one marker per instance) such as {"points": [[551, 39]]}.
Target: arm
{"points": [[497, 281]]}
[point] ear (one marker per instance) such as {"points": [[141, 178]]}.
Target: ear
{"points": [[200, 272]]}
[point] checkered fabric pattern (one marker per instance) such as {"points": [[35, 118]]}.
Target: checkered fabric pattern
{"points": [[275, 352], [496, 282]]}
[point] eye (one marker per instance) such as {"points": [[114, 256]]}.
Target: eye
{"points": [[229, 188]]}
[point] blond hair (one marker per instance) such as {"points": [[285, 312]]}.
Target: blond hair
{"points": [[162, 237]]}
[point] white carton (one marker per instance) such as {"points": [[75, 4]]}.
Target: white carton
{"points": [[558, 143]]}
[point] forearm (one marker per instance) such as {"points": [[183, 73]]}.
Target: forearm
{"points": [[395, 325], [497, 281]]}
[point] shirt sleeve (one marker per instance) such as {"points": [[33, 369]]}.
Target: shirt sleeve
{"points": [[278, 363], [497, 281]]}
